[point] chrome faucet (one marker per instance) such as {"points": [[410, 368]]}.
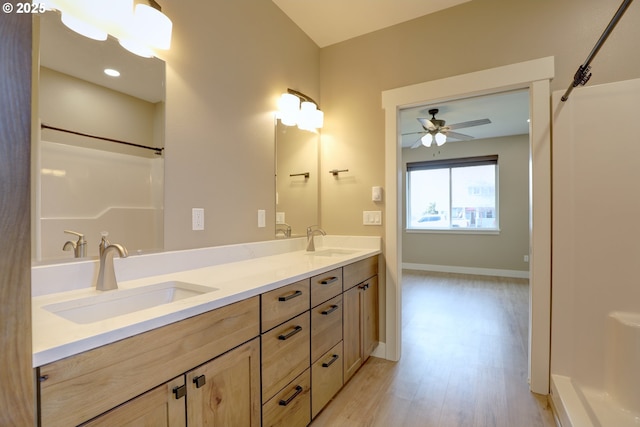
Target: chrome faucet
{"points": [[79, 248], [107, 274], [283, 228], [312, 231]]}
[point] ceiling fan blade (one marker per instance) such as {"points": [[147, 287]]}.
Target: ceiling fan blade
{"points": [[459, 136], [469, 124], [413, 133], [426, 123], [417, 144]]}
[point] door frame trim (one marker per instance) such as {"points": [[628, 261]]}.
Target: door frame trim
{"points": [[534, 75]]}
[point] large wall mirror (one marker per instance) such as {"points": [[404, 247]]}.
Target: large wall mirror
{"points": [[98, 158], [297, 180]]}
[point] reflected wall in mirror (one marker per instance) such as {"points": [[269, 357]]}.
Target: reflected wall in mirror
{"points": [[98, 160], [297, 180]]}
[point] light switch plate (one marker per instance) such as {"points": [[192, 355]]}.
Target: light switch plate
{"points": [[262, 218], [372, 217]]}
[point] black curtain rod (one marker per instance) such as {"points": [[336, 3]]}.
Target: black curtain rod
{"points": [[583, 74], [157, 150]]}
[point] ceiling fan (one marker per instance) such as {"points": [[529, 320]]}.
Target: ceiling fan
{"points": [[436, 130]]}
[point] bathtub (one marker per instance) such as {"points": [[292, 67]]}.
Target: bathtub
{"points": [[618, 403]]}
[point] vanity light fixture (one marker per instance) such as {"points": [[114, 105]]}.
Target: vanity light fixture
{"points": [[296, 108], [139, 25]]}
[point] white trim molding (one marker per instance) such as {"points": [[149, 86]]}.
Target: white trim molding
{"points": [[517, 274], [535, 76]]}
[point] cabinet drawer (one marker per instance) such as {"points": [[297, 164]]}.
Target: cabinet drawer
{"points": [[284, 303], [285, 354], [325, 286], [291, 407], [326, 375], [360, 271], [326, 326]]}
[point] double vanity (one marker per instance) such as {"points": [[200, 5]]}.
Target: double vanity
{"points": [[257, 334]]}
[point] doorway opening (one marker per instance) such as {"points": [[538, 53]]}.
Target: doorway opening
{"points": [[534, 76]]}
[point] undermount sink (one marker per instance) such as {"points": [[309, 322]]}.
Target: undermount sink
{"points": [[332, 252], [124, 301]]}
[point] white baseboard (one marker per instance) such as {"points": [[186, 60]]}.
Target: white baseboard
{"points": [[467, 270]]}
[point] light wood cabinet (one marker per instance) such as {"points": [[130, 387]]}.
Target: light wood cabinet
{"points": [[291, 406], [226, 391], [325, 286], [326, 377], [360, 319], [283, 303], [326, 326], [81, 387], [159, 407]]}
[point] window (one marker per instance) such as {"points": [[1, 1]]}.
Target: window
{"points": [[456, 194]]}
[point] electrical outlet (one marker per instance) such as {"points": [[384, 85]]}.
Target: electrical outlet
{"points": [[197, 219], [526, 258]]}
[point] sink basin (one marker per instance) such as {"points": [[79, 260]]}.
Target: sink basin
{"points": [[124, 301], [332, 252]]}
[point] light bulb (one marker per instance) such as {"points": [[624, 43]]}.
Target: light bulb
{"points": [[427, 140], [441, 138]]}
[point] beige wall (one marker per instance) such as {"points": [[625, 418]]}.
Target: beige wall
{"points": [[503, 251], [477, 35], [228, 64]]}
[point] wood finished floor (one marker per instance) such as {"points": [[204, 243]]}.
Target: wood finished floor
{"points": [[464, 361]]}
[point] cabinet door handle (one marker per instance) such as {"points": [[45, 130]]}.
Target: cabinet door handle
{"points": [[199, 381], [328, 280], [180, 391], [293, 396], [330, 362], [364, 287], [330, 310], [290, 296], [296, 329]]}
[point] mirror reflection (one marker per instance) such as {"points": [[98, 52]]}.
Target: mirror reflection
{"points": [[297, 180], [98, 160]]}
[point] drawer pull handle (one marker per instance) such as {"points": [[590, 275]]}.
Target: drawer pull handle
{"points": [[328, 280], [296, 329], [200, 381], [180, 391], [290, 296], [330, 362], [330, 310], [364, 287], [293, 396]]}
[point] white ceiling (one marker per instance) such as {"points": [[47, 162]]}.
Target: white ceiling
{"points": [[328, 22]]}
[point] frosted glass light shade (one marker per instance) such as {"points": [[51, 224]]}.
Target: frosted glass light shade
{"points": [[441, 138], [289, 108], [427, 140], [83, 17], [307, 116], [152, 26]]}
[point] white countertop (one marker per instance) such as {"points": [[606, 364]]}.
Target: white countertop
{"points": [[55, 337]]}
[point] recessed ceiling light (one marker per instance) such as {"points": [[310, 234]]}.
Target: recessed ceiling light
{"points": [[111, 72]]}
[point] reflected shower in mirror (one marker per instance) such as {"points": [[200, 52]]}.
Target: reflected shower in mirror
{"points": [[98, 160], [297, 180]]}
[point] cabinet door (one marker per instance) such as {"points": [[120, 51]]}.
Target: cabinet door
{"points": [[159, 407], [369, 295], [351, 332], [226, 390]]}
